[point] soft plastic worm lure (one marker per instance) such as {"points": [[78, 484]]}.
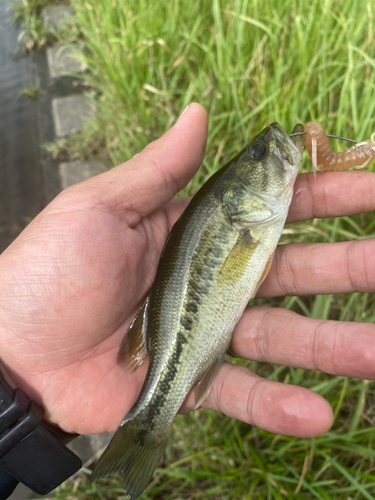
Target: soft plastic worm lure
{"points": [[320, 151]]}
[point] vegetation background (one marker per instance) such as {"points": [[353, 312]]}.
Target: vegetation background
{"points": [[249, 63]]}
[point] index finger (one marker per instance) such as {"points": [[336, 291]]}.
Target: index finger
{"points": [[332, 194]]}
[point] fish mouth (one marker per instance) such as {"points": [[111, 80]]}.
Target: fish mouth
{"points": [[298, 140], [294, 145]]}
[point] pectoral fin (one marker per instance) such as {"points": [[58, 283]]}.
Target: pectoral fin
{"points": [[133, 349], [235, 264], [204, 384]]}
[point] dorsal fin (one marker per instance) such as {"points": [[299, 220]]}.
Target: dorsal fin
{"points": [[133, 349]]}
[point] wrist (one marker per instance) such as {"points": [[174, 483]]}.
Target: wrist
{"points": [[7, 375], [32, 451], [15, 380]]}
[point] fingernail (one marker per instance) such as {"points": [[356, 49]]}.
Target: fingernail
{"points": [[184, 111]]}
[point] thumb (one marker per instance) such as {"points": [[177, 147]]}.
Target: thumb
{"points": [[152, 178]]}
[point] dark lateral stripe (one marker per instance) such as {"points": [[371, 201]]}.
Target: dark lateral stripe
{"points": [[166, 382]]}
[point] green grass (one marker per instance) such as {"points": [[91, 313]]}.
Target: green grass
{"points": [[28, 12], [32, 92], [249, 64], [35, 35]]}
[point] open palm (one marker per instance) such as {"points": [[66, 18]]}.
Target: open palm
{"points": [[71, 284]]}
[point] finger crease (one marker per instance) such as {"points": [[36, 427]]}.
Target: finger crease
{"points": [[278, 261], [289, 271], [310, 189], [315, 346], [170, 182], [220, 389], [250, 400], [335, 364], [352, 280], [262, 342]]}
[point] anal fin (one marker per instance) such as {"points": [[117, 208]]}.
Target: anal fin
{"points": [[133, 348], [265, 272]]}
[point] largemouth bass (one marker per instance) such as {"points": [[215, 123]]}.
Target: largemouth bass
{"points": [[212, 264]]}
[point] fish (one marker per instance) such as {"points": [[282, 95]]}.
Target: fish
{"points": [[213, 262]]}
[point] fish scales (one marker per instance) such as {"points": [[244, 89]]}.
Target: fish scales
{"points": [[213, 262]]}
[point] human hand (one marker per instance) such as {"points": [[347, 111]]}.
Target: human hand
{"points": [[71, 284], [72, 281], [282, 337]]}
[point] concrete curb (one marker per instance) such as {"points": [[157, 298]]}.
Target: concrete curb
{"points": [[55, 17], [63, 60], [70, 114], [77, 171]]}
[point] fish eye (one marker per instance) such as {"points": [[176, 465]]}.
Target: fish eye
{"points": [[257, 150]]}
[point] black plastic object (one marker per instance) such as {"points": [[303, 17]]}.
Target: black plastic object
{"points": [[7, 484], [32, 451]]}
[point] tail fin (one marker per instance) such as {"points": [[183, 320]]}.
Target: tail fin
{"points": [[135, 452]]}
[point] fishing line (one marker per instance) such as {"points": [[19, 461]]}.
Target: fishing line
{"points": [[327, 135]]}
